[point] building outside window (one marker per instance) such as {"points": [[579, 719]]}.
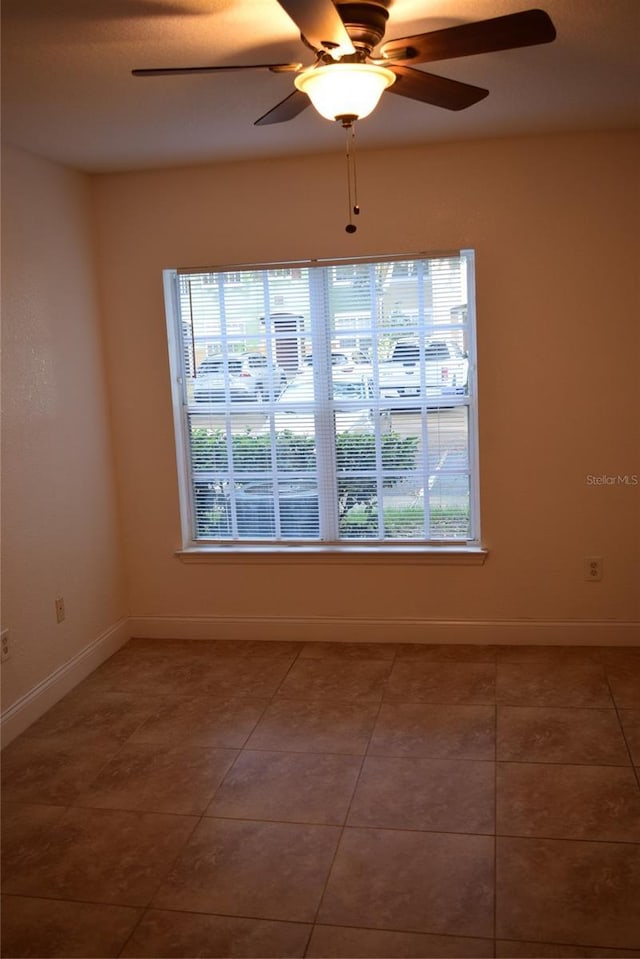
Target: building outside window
{"points": [[326, 402]]}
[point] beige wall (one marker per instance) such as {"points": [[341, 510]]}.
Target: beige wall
{"points": [[59, 519], [554, 223]]}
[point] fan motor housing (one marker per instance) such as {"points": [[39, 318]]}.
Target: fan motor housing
{"points": [[364, 22]]}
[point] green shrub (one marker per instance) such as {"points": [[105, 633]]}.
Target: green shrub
{"points": [[405, 522], [251, 452], [355, 453]]}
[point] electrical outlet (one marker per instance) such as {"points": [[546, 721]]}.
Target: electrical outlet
{"points": [[6, 648], [60, 609], [593, 568]]}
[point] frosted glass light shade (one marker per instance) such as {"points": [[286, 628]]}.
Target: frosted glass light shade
{"points": [[345, 89]]}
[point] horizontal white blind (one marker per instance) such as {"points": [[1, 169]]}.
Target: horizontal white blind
{"points": [[330, 403]]}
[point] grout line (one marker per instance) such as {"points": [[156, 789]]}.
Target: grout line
{"points": [[562, 762], [202, 818], [268, 703], [228, 915], [622, 951], [537, 837], [346, 815], [636, 769], [331, 925], [143, 913], [239, 752], [410, 931]]}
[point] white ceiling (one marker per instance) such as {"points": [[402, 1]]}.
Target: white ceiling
{"points": [[68, 93]]}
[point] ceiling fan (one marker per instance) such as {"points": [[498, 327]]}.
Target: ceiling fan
{"points": [[343, 37]]}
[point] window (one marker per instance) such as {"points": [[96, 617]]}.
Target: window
{"points": [[326, 402]]}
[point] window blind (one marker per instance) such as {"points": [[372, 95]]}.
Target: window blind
{"points": [[327, 402]]}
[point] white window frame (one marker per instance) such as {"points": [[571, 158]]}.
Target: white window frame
{"points": [[468, 551]]}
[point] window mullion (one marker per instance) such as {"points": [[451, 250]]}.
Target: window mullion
{"points": [[376, 410], [275, 479], [179, 393], [468, 260], [228, 431], [323, 413], [424, 404]]}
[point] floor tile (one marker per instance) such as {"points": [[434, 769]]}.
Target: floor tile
{"points": [[438, 731], [101, 855], [440, 795], [161, 672], [459, 653], [25, 827], [292, 787], [630, 719], [340, 942], [46, 927], [424, 882], [174, 934], [150, 670], [154, 777], [203, 721], [624, 680], [552, 684], [52, 770], [548, 950], [437, 682], [553, 890], [265, 870], [166, 647], [258, 678], [357, 651], [547, 654], [336, 679], [616, 655], [254, 648], [320, 727], [183, 650], [568, 802], [94, 714], [560, 735]]}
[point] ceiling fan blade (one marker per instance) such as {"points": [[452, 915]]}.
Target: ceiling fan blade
{"points": [[523, 29], [438, 91], [320, 24], [168, 71], [287, 109]]}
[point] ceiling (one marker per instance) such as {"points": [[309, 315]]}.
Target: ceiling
{"points": [[68, 93]]}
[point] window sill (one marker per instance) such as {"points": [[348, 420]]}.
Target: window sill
{"points": [[458, 555]]}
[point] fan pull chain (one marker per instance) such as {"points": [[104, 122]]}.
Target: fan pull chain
{"points": [[352, 176]]}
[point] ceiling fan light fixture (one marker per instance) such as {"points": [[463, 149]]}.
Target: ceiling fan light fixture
{"points": [[345, 89]]}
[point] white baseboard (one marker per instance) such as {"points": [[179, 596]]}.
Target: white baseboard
{"points": [[17, 717], [315, 629]]}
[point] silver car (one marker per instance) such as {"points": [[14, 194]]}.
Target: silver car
{"points": [[348, 359], [245, 377], [352, 402]]}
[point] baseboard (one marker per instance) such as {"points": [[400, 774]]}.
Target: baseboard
{"points": [[17, 717], [315, 629]]}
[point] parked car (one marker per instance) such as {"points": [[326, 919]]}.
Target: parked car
{"points": [[248, 377], [343, 358], [352, 397], [446, 369]]}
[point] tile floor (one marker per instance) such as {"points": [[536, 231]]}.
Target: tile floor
{"points": [[288, 799]]}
